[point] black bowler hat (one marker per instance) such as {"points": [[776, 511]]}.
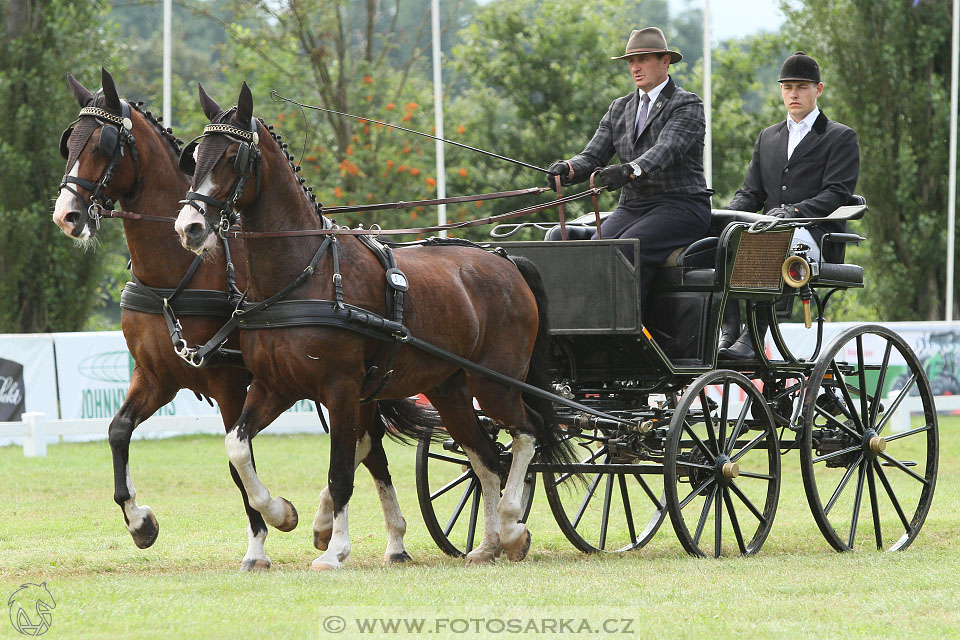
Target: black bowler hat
{"points": [[800, 67]]}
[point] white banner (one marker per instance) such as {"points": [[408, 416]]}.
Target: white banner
{"points": [[28, 381]]}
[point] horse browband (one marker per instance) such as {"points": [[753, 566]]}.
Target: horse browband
{"points": [[234, 132], [103, 114]]}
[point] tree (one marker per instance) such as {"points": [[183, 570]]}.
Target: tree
{"points": [[886, 68], [45, 283]]}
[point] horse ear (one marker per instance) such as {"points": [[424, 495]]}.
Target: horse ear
{"points": [[109, 89], [245, 104], [210, 108], [83, 96]]}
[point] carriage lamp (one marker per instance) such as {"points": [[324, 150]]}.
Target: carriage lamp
{"points": [[796, 272]]}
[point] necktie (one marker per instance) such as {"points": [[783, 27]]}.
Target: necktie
{"points": [[642, 113]]}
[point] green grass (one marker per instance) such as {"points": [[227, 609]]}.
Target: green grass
{"points": [[58, 524]]}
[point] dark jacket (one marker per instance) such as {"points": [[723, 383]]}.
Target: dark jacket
{"points": [[820, 176], [669, 149]]}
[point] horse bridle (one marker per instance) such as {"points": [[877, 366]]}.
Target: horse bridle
{"points": [[245, 164], [115, 132]]}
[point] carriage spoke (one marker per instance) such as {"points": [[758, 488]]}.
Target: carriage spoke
{"points": [[893, 497], [596, 454], [896, 402], [704, 512], [837, 423], [857, 419], [693, 494], [875, 506], [472, 523], [708, 423], [734, 522], [450, 485], [862, 377], [586, 500], [835, 454], [902, 467], [718, 524], [875, 409], [650, 494], [750, 445], [628, 513], [857, 498], [747, 503], [459, 508], [700, 443], [605, 514], [841, 486], [905, 434], [724, 414], [738, 427]]}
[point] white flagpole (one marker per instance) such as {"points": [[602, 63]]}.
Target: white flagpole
{"points": [[438, 116], [707, 97], [952, 178], [167, 51]]}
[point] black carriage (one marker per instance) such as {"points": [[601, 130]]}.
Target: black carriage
{"points": [[701, 438]]}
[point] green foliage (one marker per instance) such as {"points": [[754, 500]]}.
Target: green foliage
{"points": [[886, 67], [45, 283]]}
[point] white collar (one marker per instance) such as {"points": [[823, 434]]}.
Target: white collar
{"points": [[808, 120], [653, 93]]}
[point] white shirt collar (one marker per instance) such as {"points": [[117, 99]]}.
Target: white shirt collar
{"points": [[654, 93], [808, 120]]}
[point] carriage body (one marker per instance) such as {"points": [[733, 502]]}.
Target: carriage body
{"points": [[707, 434]]}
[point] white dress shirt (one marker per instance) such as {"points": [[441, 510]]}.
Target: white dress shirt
{"points": [[799, 129]]}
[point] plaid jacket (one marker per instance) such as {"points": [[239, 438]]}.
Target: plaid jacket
{"points": [[669, 149]]}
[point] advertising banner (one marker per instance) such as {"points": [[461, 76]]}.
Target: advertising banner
{"points": [[28, 378]]}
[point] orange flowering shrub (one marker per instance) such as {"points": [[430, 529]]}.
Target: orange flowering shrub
{"points": [[462, 172]]}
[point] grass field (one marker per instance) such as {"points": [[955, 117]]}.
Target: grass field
{"points": [[59, 525]]}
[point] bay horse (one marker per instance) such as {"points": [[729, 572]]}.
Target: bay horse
{"points": [[140, 165], [473, 303]]}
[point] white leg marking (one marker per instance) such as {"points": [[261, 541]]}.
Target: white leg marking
{"points": [[323, 520], [256, 557], [136, 515], [511, 531], [339, 548], [274, 510], [395, 522], [489, 547]]}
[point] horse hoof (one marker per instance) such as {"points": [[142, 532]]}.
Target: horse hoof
{"points": [[290, 517], [322, 566], [518, 552], [321, 539], [398, 558], [256, 564], [146, 534], [474, 558]]}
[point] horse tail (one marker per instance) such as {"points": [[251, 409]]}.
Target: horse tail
{"points": [[553, 447], [408, 422]]}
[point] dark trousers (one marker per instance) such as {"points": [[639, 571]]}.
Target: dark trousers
{"points": [[661, 224]]}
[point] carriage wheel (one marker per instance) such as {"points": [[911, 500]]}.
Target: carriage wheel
{"points": [[606, 510], [866, 484], [450, 497], [722, 466]]}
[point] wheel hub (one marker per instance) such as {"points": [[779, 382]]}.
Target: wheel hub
{"points": [[726, 470]]}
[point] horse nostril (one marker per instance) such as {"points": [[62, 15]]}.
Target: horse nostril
{"points": [[195, 231]]}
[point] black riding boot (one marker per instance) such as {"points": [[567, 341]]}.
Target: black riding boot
{"points": [[730, 327], [743, 348]]}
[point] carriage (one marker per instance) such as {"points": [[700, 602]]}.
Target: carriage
{"points": [[656, 423], [701, 439]]}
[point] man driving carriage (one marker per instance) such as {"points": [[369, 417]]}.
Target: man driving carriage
{"points": [[802, 167], [657, 133]]}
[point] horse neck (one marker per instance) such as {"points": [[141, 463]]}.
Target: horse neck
{"points": [[280, 206], [155, 252]]}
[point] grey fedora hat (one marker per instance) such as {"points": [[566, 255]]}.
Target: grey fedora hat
{"points": [[649, 40]]}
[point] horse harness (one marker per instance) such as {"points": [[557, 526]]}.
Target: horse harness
{"points": [[115, 133]]}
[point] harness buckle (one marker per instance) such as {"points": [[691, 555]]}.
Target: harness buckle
{"points": [[94, 212], [223, 227]]}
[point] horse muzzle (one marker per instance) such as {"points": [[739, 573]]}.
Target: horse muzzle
{"points": [[195, 234]]}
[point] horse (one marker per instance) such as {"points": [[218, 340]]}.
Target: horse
{"points": [[109, 161], [474, 304]]}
